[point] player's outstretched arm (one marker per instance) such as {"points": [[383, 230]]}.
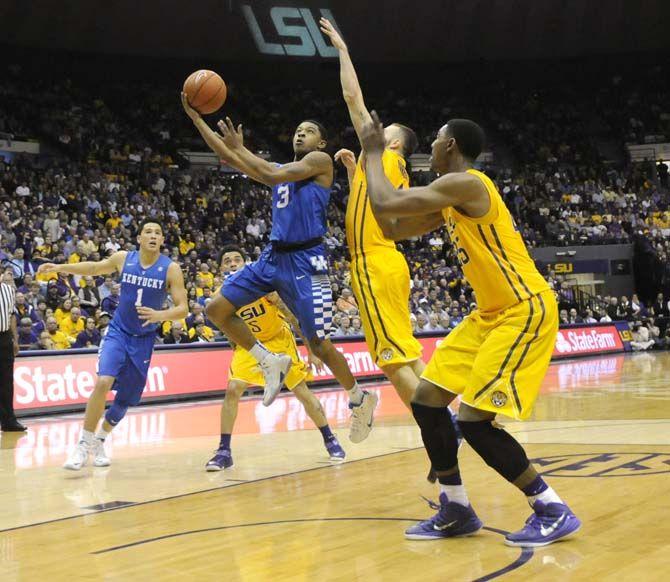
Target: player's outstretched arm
{"points": [[107, 266], [215, 141], [458, 189], [177, 290], [313, 165], [351, 88]]}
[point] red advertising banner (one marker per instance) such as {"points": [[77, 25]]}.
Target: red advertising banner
{"points": [[66, 381], [579, 341]]}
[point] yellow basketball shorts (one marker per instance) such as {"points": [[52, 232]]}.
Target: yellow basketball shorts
{"points": [[380, 282], [244, 366], [497, 361]]}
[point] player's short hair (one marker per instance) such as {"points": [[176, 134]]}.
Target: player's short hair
{"points": [[410, 142], [230, 249], [322, 129], [469, 136], [146, 221]]}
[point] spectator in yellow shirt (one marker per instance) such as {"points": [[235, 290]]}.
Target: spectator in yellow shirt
{"points": [[113, 221], [186, 244], [206, 275], [201, 332], [72, 325], [58, 338], [63, 311]]}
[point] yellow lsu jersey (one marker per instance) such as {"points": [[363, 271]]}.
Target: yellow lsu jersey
{"points": [[263, 318], [492, 253], [363, 232]]}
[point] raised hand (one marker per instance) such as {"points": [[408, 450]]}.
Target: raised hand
{"points": [[192, 113], [329, 30], [346, 158], [233, 138]]}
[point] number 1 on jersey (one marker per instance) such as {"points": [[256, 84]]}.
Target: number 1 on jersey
{"points": [[138, 302]]}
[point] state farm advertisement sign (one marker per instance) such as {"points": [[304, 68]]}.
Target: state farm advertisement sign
{"points": [[66, 381], [63, 381], [579, 341]]}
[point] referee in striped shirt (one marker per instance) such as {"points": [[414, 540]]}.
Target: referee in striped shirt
{"points": [[9, 347]]}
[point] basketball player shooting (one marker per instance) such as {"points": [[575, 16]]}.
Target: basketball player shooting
{"points": [[294, 264]]}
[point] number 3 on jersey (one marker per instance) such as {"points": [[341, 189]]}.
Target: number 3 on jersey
{"points": [[283, 192]]}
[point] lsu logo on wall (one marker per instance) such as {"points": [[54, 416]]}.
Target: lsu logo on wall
{"points": [[563, 268], [298, 25], [626, 335], [604, 464]]}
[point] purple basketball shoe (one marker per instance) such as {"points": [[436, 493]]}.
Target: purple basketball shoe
{"points": [[548, 524], [451, 520]]}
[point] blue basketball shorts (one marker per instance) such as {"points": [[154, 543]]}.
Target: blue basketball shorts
{"points": [[126, 358], [299, 277]]}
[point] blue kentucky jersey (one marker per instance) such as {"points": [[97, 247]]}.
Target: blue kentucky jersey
{"points": [[299, 211], [139, 286]]}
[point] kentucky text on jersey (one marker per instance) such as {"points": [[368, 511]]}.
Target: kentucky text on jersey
{"points": [[140, 286], [142, 281]]}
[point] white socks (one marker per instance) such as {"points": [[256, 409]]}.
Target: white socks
{"points": [[355, 394], [259, 351], [547, 496], [102, 434], [86, 437], [456, 493]]}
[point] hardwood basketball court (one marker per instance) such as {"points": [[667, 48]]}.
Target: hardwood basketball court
{"points": [[600, 433]]}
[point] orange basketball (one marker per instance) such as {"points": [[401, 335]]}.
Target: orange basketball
{"points": [[206, 91]]}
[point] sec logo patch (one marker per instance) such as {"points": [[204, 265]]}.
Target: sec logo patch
{"points": [[387, 354]]}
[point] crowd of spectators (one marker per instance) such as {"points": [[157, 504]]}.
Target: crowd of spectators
{"points": [[109, 162]]}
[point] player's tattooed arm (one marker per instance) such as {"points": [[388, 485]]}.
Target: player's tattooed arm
{"points": [[351, 88], [177, 290], [111, 264], [459, 189], [295, 324]]}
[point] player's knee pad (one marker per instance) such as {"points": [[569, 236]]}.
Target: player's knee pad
{"points": [[438, 435], [497, 447], [428, 417], [116, 412]]}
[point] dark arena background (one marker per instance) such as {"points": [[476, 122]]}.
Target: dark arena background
{"points": [[574, 99]]}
